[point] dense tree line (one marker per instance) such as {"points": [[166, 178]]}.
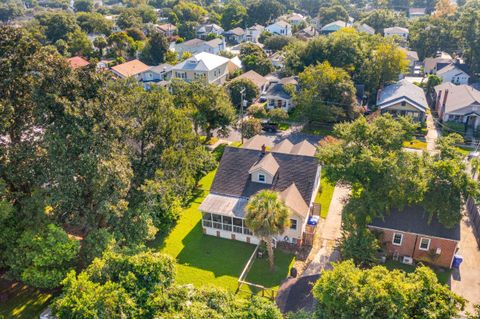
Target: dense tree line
{"points": [[84, 156]]}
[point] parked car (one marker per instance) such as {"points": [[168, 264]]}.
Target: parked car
{"points": [[270, 127]]}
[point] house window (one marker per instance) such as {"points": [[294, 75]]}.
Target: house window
{"points": [[397, 239], [293, 223], [424, 243], [261, 178]]}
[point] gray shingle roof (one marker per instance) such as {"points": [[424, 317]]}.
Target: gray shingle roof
{"points": [[233, 179], [414, 219], [402, 91]]}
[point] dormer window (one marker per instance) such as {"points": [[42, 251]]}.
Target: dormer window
{"points": [[261, 178]]}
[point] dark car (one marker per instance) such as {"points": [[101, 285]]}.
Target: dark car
{"points": [[270, 127]]}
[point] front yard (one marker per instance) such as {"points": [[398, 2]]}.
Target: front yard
{"points": [[204, 260], [443, 275]]}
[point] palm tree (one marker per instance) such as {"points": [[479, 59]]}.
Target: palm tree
{"points": [[267, 216]]}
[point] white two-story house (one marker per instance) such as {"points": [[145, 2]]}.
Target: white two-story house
{"points": [[280, 28], [213, 68], [242, 173]]}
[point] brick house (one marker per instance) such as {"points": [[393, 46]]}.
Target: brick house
{"points": [[409, 233]]}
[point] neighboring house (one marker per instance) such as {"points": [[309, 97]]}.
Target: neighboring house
{"points": [[412, 57], [195, 46], [455, 73], [396, 31], [403, 99], [411, 233], [333, 27], [236, 35], [204, 30], [363, 27], [253, 33], [277, 59], [301, 148], [458, 103], [277, 96], [293, 18], [213, 68], [260, 81], [157, 73], [416, 13], [168, 29], [77, 62], [306, 33], [280, 28], [242, 173], [433, 64], [132, 68]]}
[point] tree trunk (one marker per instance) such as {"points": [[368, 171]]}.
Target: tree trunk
{"points": [[209, 135], [268, 242]]}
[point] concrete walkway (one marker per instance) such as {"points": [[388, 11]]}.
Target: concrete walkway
{"points": [[330, 233], [466, 281], [432, 135]]}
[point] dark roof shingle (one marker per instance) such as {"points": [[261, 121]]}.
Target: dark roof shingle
{"points": [[414, 219], [233, 179]]}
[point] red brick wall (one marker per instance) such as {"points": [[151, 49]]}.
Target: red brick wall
{"points": [[410, 247]]}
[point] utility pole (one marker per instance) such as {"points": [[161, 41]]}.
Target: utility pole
{"points": [[242, 101]]}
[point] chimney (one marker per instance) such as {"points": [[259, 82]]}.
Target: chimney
{"points": [[439, 98], [264, 149], [444, 103]]}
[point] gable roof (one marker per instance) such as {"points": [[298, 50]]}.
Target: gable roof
{"points": [[208, 28], [214, 42], [256, 27], [203, 61], [192, 43], [130, 68], [459, 68], [77, 62], [280, 23], [256, 142], [402, 91], [284, 146], [164, 67], [365, 28], [267, 164], [167, 27], [303, 148], [333, 26], [233, 178], [294, 200], [414, 219], [459, 96], [253, 76], [235, 31], [395, 30]]}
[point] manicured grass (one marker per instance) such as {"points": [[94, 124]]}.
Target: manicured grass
{"points": [[416, 144], [443, 276], [236, 144], [207, 260], [465, 150], [283, 126], [261, 273], [324, 196], [24, 302]]}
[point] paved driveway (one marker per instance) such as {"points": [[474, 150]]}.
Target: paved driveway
{"points": [[466, 282]]}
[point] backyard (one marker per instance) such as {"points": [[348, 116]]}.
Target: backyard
{"points": [[204, 260], [23, 302], [443, 275]]}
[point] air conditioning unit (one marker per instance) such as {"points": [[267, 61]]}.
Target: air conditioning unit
{"points": [[438, 251], [286, 238], [407, 260]]}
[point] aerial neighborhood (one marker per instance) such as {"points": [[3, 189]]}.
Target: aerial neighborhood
{"points": [[262, 159]]}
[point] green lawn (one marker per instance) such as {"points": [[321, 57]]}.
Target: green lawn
{"points": [[443, 276], [25, 303], [283, 126], [324, 196], [204, 260], [416, 144], [260, 271]]}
